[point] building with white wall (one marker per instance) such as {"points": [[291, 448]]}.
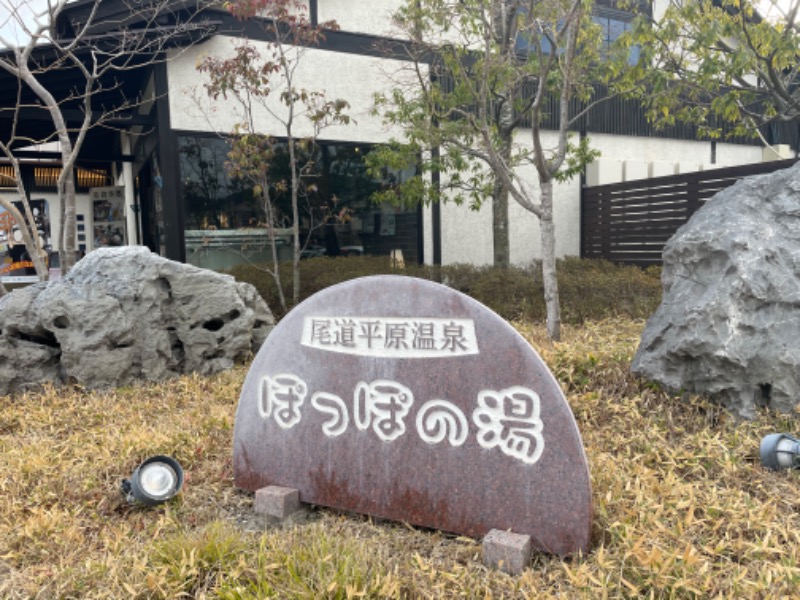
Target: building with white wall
{"points": [[169, 158]]}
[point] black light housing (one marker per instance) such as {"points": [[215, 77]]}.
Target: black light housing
{"points": [[156, 480], [780, 451]]}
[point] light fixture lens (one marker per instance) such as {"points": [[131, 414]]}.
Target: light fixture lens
{"points": [[786, 453], [156, 480], [780, 451]]}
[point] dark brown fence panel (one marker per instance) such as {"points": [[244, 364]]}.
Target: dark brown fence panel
{"points": [[630, 222]]}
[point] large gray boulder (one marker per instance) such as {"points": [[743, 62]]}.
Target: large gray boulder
{"points": [[729, 323], [126, 315]]}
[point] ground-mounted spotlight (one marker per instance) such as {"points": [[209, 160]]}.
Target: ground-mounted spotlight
{"points": [[156, 480], [780, 451]]}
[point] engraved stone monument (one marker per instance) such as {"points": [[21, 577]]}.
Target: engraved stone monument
{"points": [[404, 399]]}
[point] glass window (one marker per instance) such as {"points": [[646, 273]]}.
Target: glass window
{"points": [[212, 199], [226, 223], [611, 30], [222, 215], [524, 45]]}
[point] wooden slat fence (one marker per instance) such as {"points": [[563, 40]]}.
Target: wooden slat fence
{"points": [[630, 222]]}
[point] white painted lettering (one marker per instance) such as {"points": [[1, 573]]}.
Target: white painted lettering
{"points": [[334, 406], [440, 419], [284, 395], [384, 404], [509, 420]]}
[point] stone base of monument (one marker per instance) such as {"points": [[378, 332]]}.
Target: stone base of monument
{"points": [[281, 505], [507, 551]]}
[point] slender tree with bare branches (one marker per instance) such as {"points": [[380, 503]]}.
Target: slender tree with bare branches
{"points": [[251, 80], [94, 52]]}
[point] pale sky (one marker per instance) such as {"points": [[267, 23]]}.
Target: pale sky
{"points": [[12, 11], [774, 9]]}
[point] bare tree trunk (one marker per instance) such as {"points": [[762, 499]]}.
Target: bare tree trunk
{"points": [[502, 25], [66, 180], [68, 225], [24, 219], [501, 237], [276, 272], [295, 222], [548, 232], [37, 252], [295, 253], [31, 245], [288, 73], [502, 252]]}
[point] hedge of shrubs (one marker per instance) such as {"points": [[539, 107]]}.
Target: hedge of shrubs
{"points": [[589, 289]]}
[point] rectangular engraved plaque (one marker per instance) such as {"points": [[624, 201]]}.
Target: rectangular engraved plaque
{"points": [[391, 337]]}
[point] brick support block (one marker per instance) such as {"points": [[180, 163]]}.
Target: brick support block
{"points": [[507, 551], [275, 501]]}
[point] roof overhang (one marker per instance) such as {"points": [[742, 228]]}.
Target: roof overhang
{"points": [[119, 99]]}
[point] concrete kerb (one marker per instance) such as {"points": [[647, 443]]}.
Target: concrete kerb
{"points": [[280, 505], [507, 551]]}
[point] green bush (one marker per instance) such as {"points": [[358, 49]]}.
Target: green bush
{"points": [[599, 289], [513, 293], [589, 289], [316, 274]]}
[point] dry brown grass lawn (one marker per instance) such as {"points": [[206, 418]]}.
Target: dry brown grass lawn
{"points": [[682, 506]]}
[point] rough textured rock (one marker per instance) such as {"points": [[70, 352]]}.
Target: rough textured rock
{"points": [[124, 315], [729, 322]]}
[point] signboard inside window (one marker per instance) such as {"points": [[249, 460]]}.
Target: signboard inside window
{"points": [[108, 212]]}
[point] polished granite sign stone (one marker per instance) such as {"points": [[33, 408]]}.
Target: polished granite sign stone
{"points": [[404, 399]]}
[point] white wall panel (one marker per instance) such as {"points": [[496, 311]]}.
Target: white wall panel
{"points": [[603, 171], [348, 76], [738, 154], [661, 168], [524, 228], [466, 234], [620, 147], [372, 17], [636, 169], [683, 167]]}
